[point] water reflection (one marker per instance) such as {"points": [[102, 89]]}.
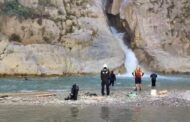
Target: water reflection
{"points": [[114, 114], [105, 113], [136, 113], [93, 114], [74, 112]]}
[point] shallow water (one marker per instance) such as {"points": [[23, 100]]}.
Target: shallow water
{"points": [[93, 114], [19, 84]]}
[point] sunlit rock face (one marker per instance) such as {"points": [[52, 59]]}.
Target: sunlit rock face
{"points": [[72, 36], [159, 31], [47, 37]]}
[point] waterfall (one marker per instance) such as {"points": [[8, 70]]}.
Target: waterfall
{"points": [[118, 31], [130, 59]]}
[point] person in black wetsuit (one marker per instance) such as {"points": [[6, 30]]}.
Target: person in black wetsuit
{"points": [[153, 77], [104, 74], [112, 78], [74, 93]]}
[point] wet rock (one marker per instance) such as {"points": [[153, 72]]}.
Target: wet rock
{"points": [[90, 94]]}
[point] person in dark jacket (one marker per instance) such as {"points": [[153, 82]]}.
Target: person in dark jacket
{"points": [[74, 93], [153, 77], [112, 78], [105, 79]]}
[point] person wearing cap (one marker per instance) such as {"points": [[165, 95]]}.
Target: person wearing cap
{"points": [[104, 74], [138, 73]]}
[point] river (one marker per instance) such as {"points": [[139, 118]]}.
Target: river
{"points": [[92, 113]]}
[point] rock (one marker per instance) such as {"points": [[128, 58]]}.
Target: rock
{"points": [[29, 3], [77, 13], [90, 94], [52, 12], [51, 31], [1, 1], [3, 48], [160, 32], [3, 96], [30, 31], [69, 23], [71, 43]]}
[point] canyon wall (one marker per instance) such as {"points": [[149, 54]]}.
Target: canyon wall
{"points": [[56, 37], [159, 32]]}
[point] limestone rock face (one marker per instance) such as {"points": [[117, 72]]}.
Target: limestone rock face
{"points": [[113, 6], [160, 32], [58, 37]]}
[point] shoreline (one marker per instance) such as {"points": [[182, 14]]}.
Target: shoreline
{"points": [[46, 75], [2, 75], [173, 98]]}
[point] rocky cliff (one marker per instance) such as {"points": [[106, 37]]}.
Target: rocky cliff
{"points": [[159, 32], [46, 37], [55, 37]]}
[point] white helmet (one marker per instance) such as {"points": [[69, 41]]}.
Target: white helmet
{"points": [[105, 65]]}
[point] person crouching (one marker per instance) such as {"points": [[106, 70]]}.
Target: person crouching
{"points": [[74, 93]]}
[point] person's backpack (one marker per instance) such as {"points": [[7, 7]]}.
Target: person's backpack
{"points": [[105, 75]]}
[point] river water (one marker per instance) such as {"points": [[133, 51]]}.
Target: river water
{"points": [[91, 113], [90, 82]]}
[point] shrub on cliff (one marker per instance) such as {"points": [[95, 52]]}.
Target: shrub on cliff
{"points": [[15, 37], [13, 7]]}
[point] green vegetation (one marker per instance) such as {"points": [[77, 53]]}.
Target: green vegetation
{"points": [[15, 37], [13, 7]]}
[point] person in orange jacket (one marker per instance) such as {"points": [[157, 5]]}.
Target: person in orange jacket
{"points": [[138, 73]]}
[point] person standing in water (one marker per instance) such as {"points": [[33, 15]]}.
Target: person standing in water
{"points": [[138, 73], [153, 77], [105, 75], [112, 78]]}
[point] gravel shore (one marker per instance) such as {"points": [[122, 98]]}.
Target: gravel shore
{"points": [[172, 98]]}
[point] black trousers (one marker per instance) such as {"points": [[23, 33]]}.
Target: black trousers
{"points": [[103, 84], [112, 82], [153, 83]]}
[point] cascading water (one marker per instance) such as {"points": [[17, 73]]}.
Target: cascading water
{"points": [[118, 31], [131, 61]]}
